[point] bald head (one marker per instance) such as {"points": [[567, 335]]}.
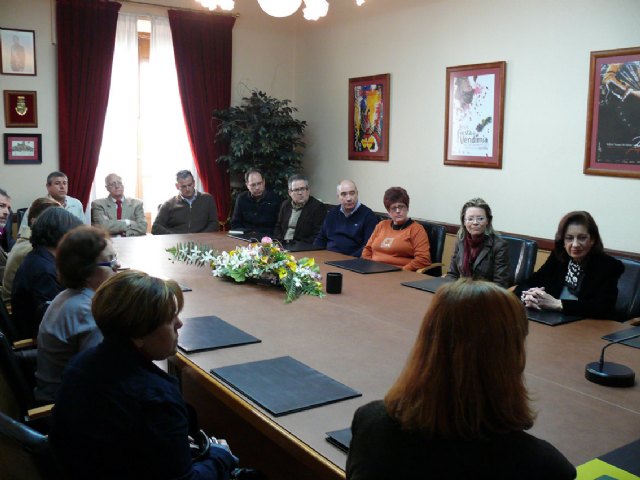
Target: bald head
{"points": [[347, 195]]}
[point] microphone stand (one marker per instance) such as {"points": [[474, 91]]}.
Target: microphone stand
{"points": [[611, 374]]}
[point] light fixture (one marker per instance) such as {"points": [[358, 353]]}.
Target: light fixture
{"points": [[313, 10]]}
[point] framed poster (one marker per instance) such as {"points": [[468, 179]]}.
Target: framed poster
{"points": [[18, 51], [612, 145], [474, 115], [20, 109], [369, 118], [22, 148]]}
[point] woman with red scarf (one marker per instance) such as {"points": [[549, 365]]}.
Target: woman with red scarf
{"points": [[479, 252]]}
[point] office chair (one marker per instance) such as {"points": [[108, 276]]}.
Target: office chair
{"points": [[24, 452], [522, 258], [437, 235], [628, 303]]}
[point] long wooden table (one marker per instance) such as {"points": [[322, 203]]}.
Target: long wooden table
{"points": [[361, 338]]}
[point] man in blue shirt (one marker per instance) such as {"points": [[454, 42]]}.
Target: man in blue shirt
{"points": [[348, 226]]}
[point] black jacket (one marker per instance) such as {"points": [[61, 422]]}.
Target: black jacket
{"points": [[309, 222]]}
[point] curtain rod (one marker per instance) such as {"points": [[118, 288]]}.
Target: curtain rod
{"points": [[236, 15]]}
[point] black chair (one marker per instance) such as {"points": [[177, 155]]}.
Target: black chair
{"points": [[24, 452], [19, 215], [382, 216], [437, 235], [6, 323], [522, 258], [628, 303]]}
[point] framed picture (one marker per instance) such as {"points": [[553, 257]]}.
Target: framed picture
{"points": [[22, 148], [612, 145], [18, 51], [369, 118], [20, 108], [474, 115]]}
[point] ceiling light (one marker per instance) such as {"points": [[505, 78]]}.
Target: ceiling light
{"points": [[280, 8], [313, 10], [213, 4]]}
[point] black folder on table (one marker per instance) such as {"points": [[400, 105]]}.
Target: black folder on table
{"points": [[246, 236], [549, 317], [284, 385], [633, 342], [296, 246], [430, 284], [626, 458], [340, 439], [210, 333], [362, 265]]}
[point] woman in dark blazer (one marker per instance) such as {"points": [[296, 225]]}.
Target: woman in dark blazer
{"points": [[479, 252], [578, 278]]}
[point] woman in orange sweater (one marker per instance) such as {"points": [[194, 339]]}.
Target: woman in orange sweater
{"points": [[399, 241]]}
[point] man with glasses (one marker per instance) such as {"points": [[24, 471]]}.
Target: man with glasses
{"points": [[301, 217], [256, 210], [190, 211], [119, 215], [348, 226]]}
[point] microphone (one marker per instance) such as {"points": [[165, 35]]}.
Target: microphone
{"points": [[611, 374]]}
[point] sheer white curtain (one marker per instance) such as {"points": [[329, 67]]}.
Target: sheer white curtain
{"points": [[165, 146], [145, 139]]}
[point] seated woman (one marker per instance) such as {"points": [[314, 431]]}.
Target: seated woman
{"points": [[460, 406], [23, 246], [578, 278], [118, 415], [479, 252], [85, 258], [36, 281], [399, 241]]}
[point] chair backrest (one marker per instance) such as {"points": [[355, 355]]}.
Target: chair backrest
{"points": [[24, 452], [522, 257], [6, 324], [437, 235], [19, 215], [628, 303], [17, 376]]}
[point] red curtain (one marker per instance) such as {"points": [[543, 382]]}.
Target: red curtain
{"points": [[86, 32], [202, 49]]}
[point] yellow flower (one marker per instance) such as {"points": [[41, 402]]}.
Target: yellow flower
{"points": [[292, 266], [282, 272]]}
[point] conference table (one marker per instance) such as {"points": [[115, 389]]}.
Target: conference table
{"points": [[361, 338]]}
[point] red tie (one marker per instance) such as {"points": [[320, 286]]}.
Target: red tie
{"points": [[119, 209]]}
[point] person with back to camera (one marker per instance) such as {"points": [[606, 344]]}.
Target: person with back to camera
{"points": [[460, 407], [399, 241], [479, 252], [85, 259], [578, 278], [117, 415]]}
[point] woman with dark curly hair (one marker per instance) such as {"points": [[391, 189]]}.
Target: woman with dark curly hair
{"points": [[399, 241], [578, 278]]}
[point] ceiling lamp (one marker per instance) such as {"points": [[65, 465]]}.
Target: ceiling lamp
{"points": [[280, 8], [313, 10]]}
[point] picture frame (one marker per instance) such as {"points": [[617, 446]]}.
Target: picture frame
{"points": [[20, 108], [22, 148], [368, 136], [612, 142], [17, 52], [474, 115]]}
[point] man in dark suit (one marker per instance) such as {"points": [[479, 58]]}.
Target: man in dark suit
{"points": [[301, 216], [256, 209]]}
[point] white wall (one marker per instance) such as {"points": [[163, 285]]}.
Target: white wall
{"points": [[546, 45]]}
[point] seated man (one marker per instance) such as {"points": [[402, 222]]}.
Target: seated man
{"points": [[5, 237], [119, 215], [57, 185], [348, 226], [257, 209], [188, 212], [300, 218]]}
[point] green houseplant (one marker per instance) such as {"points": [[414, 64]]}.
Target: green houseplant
{"points": [[262, 133]]}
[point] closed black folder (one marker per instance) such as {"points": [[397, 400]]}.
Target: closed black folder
{"points": [[430, 284], [209, 333], [549, 317], [340, 439], [362, 265], [628, 332], [626, 458], [284, 385]]}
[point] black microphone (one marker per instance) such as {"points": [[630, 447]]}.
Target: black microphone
{"points": [[611, 374]]}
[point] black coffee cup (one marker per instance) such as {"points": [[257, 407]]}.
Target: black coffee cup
{"points": [[334, 282]]}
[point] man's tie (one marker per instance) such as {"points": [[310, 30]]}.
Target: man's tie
{"points": [[119, 209]]}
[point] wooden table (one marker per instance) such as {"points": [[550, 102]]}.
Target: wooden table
{"points": [[361, 338]]}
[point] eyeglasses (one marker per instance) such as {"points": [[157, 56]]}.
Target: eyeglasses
{"points": [[299, 190], [113, 264], [115, 184], [474, 219], [397, 208], [254, 185]]}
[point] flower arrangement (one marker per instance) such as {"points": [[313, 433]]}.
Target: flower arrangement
{"points": [[263, 261]]}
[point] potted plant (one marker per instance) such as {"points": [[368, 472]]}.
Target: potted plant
{"points": [[262, 133]]}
